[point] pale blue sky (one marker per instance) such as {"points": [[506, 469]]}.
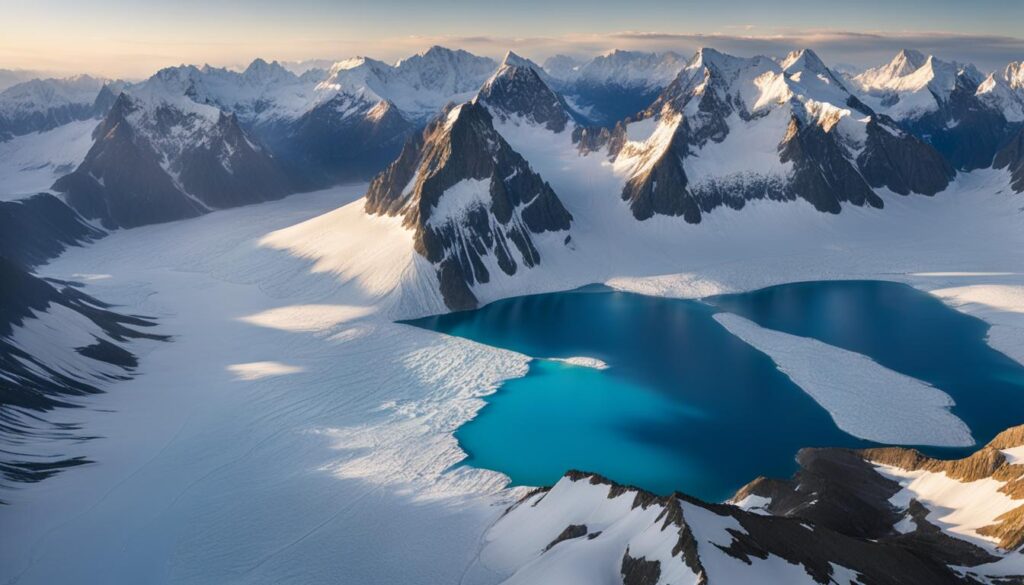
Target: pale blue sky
{"points": [[132, 38]]}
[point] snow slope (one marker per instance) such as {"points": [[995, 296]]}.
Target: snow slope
{"points": [[32, 162]]}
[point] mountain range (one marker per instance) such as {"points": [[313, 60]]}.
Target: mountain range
{"points": [[674, 137]]}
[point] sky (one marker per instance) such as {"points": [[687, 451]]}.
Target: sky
{"points": [[134, 38]]}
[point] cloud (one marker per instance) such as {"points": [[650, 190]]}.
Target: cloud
{"points": [[861, 49], [841, 48]]}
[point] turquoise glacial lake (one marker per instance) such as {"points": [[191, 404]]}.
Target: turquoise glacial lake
{"points": [[686, 406]]}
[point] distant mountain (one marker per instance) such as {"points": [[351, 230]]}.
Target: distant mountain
{"points": [[519, 88], [163, 153], [616, 85], [44, 104], [941, 102], [729, 129], [9, 77], [474, 204]]}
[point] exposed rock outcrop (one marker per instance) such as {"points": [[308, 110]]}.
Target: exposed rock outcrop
{"points": [[473, 202], [1011, 158]]}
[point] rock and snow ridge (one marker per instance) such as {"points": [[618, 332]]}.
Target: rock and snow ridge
{"points": [[885, 515], [474, 204], [951, 105], [160, 156], [734, 129]]}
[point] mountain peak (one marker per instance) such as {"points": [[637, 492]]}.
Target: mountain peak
{"points": [[908, 60], [520, 90], [261, 71], [804, 59]]}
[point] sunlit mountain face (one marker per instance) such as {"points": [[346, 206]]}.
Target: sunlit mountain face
{"points": [[394, 303]]}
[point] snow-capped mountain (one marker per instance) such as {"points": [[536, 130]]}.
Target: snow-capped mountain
{"points": [[940, 102], [419, 85], [886, 515], [474, 204], [43, 104], [1004, 91], [615, 85], [160, 155], [732, 129], [518, 88]]}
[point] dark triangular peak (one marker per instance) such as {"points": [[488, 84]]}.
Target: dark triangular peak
{"points": [[161, 159], [517, 89], [474, 203], [822, 174], [1011, 157]]}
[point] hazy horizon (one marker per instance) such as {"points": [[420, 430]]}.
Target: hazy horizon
{"points": [[118, 38]]}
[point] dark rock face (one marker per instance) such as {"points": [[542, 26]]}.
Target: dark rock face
{"points": [[135, 176], [506, 202], [325, 145], [572, 531], [609, 103], [1011, 157], [662, 188], [639, 571], [901, 162], [964, 130], [517, 90], [822, 174], [40, 227], [29, 387]]}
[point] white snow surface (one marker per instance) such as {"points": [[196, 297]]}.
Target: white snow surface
{"points": [[583, 362], [307, 475], [31, 163], [865, 399], [959, 508]]}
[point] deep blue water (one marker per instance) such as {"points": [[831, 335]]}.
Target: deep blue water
{"points": [[687, 406]]}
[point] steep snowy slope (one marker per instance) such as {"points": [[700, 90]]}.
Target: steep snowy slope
{"points": [[475, 205], [1004, 91], [876, 516], [36, 228], [938, 101], [30, 163]]}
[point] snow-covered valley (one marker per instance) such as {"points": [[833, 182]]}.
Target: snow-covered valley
{"points": [[291, 431]]}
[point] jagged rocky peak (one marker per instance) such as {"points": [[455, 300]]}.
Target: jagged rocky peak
{"points": [[475, 205], [731, 129], [517, 90], [159, 155], [888, 515], [563, 67]]}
